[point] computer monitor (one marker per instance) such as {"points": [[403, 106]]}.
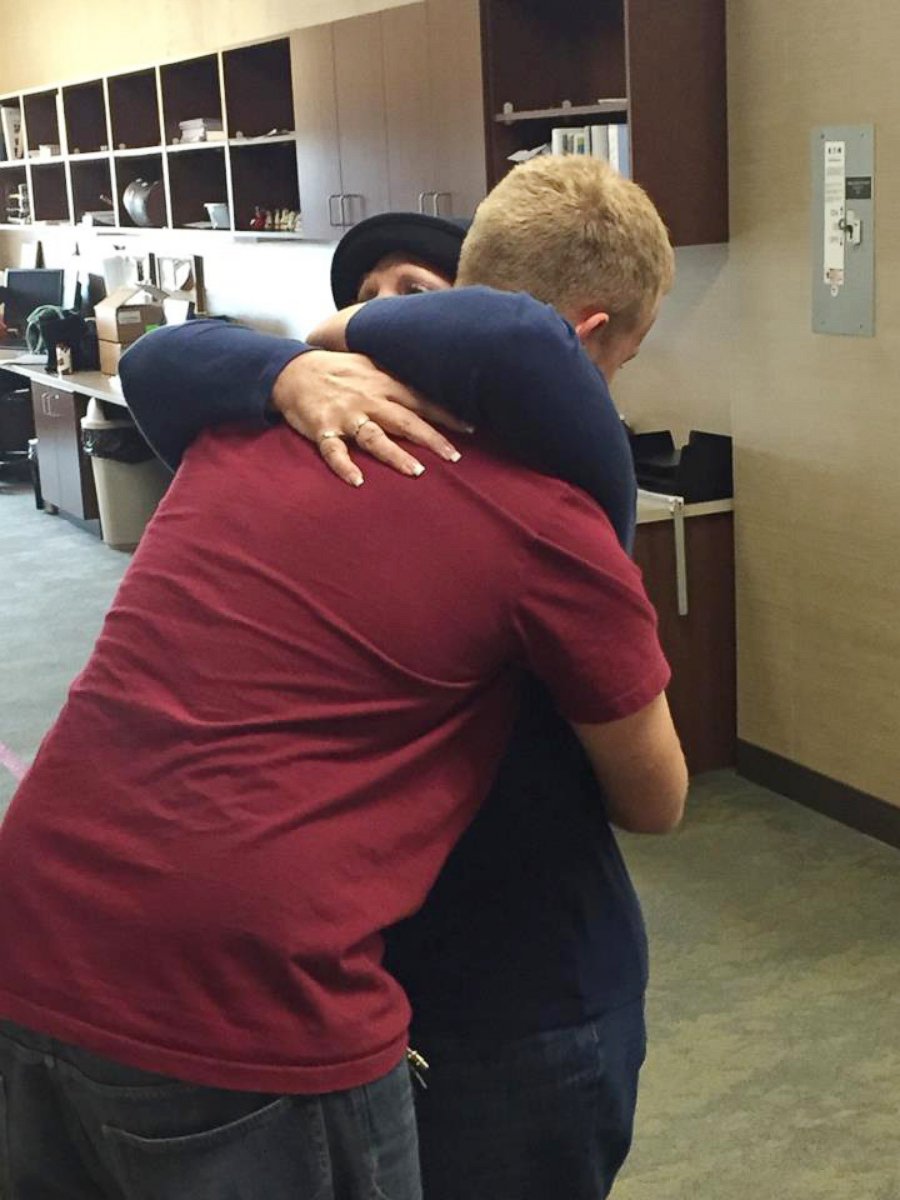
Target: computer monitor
{"points": [[28, 289]]}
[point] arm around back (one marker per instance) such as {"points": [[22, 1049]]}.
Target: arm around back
{"points": [[587, 628], [640, 766], [182, 379], [515, 369]]}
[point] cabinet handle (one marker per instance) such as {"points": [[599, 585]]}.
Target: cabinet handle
{"points": [[422, 196], [351, 196], [331, 199], [435, 212]]}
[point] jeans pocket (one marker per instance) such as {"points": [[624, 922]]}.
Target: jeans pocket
{"points": [[277, 1151], [387, 1123], [5, 1170]]}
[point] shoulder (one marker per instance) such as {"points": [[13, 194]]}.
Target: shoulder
{"points": [[548, 510], [510, 307]]}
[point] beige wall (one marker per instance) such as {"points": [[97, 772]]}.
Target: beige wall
{"points": [[54, 41], [816, 419]]}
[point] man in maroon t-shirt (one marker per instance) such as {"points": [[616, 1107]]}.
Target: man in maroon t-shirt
{"points": [[285, 749]]}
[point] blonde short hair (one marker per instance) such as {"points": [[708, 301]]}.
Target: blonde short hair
{"points": [[574, 233]]}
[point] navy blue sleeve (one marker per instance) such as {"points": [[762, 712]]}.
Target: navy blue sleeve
{"points": [[181, 379], [513, 368]]}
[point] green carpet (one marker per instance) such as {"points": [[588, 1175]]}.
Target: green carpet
{"points": [[774, 1011]]}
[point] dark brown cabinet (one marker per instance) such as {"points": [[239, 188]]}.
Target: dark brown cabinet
{"points": [[699, 645], [658, 65], [67, 480]]}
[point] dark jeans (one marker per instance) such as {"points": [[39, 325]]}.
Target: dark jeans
{"points": [[540, 1118], [77, 1126]]}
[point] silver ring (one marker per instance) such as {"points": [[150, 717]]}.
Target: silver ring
{"points": [[360, 424], [329, 433]]}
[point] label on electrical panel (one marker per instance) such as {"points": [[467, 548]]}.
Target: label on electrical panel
{"points": [[835, 193], [859, 187]]}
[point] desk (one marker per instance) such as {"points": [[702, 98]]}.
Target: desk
{"points": [[699, 642], [59, 403], [88, 383]]}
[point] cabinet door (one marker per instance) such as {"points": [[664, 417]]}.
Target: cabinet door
{"points": [[46, 429], [76, 474], [409, 114], [679, 117], [457, 105], [316, 123], [359, 78]]}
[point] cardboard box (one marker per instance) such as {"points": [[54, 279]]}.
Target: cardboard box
{"points": [[127, 313], [110, 353]]}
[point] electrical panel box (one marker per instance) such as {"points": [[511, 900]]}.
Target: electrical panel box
{"points": [[843, 224]]}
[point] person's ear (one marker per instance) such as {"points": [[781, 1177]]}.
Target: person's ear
{"points": [[590, 321]]}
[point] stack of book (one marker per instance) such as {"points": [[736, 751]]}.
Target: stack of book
{"points": [[18, 206], [202, 129], [609, 142]]}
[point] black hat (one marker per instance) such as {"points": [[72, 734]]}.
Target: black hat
{"points": [[436, 241]]}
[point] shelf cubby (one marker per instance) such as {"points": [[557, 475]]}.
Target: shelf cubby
{"points": [[539, 54], [190, 90], [134, 110], [14, 103], [263, 176], [196, 178], [258, 89], [49, 194], [92, 189], [84, 109], [148, 167], [41, 111], [12, 176]]}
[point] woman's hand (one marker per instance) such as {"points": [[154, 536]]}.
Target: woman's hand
{"points": [[332, 397]]}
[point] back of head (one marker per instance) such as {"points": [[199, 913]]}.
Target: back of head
{"points": [[574, 233]]}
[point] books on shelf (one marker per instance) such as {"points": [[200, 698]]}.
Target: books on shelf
{"points": [[609, 142], [620, 149], [11, 144], [201, 129], [600, 141]]}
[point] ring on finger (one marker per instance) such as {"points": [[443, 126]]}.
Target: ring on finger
{"points": [[329, 433], [359, 425]]}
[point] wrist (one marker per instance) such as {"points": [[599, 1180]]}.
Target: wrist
{"points": [[291, 380]]}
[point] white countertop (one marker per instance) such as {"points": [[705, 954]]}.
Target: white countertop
{"points": [[653, 506], [91, 383]]}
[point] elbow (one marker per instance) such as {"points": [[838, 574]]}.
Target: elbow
{"points": [[661, 814]]}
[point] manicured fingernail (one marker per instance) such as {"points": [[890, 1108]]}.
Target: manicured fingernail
{"points": [[452, 455], [468, 428], [417, 469], [356, 480]]}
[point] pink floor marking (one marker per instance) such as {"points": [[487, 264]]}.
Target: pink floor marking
{"points": [[12, 762]]}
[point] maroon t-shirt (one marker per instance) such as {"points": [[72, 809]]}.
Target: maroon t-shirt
{"points": [[295, 706]]}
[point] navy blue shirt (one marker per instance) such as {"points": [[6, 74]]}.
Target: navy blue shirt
{"points": [[534, 923]]}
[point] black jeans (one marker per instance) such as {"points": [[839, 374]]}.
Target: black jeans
{"points": [[545, 1117], [77, 1126]]}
